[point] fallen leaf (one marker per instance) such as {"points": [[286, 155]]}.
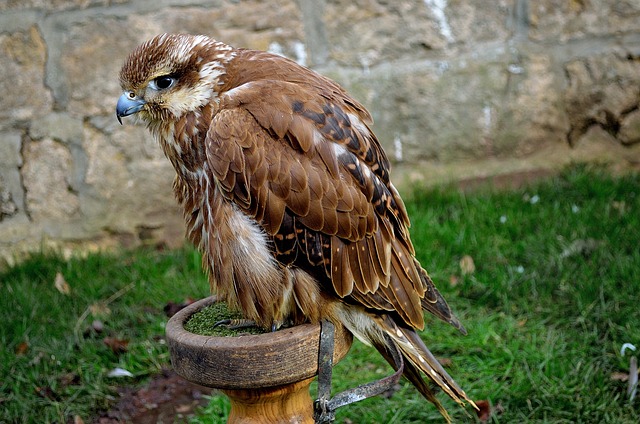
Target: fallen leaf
{"points": [[61, 284], [584, 247], [119, 372], [453, 280], [445, 362], [172, 308], [22, 348], [484, 410], [78, 420], [185, 408], [619, 376], [467, 266], [99, 309], [69, 379], [116, 345], [620, 206], [47, 393]]}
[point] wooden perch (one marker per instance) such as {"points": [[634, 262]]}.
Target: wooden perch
{"points": [[265, 376]]}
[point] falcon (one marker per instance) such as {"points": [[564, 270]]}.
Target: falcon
{"points": [[286, 193]]}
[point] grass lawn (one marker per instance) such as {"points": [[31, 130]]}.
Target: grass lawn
{"points": [[551, 298]]}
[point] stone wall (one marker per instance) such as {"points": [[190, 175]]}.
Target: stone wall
{"points": [[458, 89]]}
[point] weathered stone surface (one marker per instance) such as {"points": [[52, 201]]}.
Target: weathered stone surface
{"points": [[428, 131], [535, 114], [365, 33], [134, 141], [602, 90], [10, 145], [106, 171], [56, 5], [22, 59], [562, 20], [47, 182], [463, 109], [129, 184], [458, 89], [7, 205], [629, 132], [10, 163], [274, 25], [90, 58], [58, 126], [600, 146]]}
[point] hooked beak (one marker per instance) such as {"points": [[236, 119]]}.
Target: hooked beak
{"points": [[128, 106]]}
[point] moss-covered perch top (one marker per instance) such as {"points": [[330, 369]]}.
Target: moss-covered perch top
{"points": [[203, 321]]}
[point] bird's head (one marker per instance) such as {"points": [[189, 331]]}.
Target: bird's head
{"points": [[170, 75]]}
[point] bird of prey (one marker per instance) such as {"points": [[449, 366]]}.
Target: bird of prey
{"points": [[286, 193]]}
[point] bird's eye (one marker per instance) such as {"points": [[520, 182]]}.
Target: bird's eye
{"points": [[162, 83]]}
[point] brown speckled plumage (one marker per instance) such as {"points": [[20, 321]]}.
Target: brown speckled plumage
{"points": [[286, 192]]}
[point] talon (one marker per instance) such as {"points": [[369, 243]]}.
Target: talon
{"points": [[222, 322], [235, 324]]}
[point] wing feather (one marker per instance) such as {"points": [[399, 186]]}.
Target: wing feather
{"points": [[341, 275], [314, 176]]}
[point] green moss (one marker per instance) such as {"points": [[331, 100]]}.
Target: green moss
{"points": [[203, 322]]}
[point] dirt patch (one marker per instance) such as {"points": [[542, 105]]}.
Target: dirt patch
{"points": [[167, 398]]}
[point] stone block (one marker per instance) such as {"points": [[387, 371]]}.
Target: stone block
{"points": [[10, 164], [8, 207], [46, 177], [562, 20], [125, 186], [459, 109], [90, 58], [58, 126], [602, 90], [629, 132], [534, 111], [10, 145], [471, 87], [53, 5], [275, 25], [24, 93], [365, 33], [93, 50]]}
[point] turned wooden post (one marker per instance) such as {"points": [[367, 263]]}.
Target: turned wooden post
{"points": [[266, 376]]}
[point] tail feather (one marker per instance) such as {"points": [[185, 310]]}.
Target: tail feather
{"points": [[411, 373], [390, 338], [419, 359]]}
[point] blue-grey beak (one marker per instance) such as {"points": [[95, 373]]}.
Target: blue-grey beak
{"points": [[128, 106]]}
